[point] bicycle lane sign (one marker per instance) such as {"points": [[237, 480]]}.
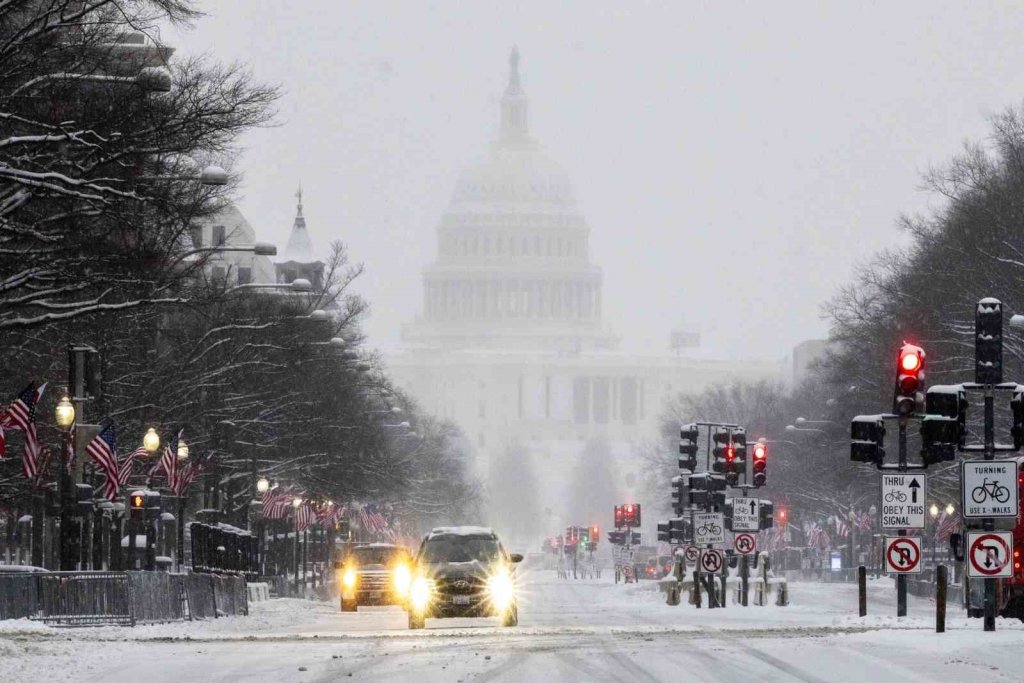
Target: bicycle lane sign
{"points": [[709, 528], [903, 501], [989, 488]]}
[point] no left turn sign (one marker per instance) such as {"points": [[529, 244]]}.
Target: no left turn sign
{"points": [[711, 561], [988, 554], [903, 555], [745, 544]]}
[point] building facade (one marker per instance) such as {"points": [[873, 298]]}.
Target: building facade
{"points": [[511, 344]]}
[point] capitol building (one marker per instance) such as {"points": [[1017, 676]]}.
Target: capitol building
{"points": [[511, 344]]}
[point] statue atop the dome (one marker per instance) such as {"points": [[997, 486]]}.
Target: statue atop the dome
{"points": [[513, 67]]}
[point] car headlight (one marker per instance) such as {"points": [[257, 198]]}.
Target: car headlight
{"points": [[348, 579], [501, 590], [402, 579], [420, 593]]}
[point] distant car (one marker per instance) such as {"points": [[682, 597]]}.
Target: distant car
{"points": [[375, 574], [463, 572]]}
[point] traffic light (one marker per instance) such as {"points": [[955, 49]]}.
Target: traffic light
{"points": [[617, 537], [619, 517], [909, 379], [664, 532], [1017, 430], [680, 488], [595, 534], [633, 514], [688, 447], [137, 505], [783, 517], [678, 529], [760, 463], [584, 536], [867, 437], [944, 425], [767, 511], [83, 498], [727, 510], [988, 342], [722, 452]]}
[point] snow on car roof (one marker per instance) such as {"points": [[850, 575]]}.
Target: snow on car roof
{"points": [[462, 531]]}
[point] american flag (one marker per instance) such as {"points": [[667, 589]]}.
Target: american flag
{"points": [[275, 504], [21, 415], [124, 469], [102, 449], [842, 528], [304, 517], [168, 462], [372, 520], [948, 524], [3, 439], [188, 474], [69, 454]]}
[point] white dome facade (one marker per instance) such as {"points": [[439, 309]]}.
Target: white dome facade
{"points": [[513, 270]]}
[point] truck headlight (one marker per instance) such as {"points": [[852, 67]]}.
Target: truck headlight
{"points": [[501, 589], [420, 593], [402, 580], [348, 579]]}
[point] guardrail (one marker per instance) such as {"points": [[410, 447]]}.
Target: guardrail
{"points": [[122, 598]]}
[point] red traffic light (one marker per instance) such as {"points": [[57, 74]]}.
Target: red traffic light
{"points": [[730, 454], [911, 363]]}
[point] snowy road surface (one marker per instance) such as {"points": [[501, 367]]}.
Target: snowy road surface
{"points": [[571, 631]]}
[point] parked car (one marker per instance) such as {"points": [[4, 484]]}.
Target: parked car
{"points": [[375, 574], [463, 572]]}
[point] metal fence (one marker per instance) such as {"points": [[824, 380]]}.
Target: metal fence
{"points": [[85, 598], [224, 549], [123, 598], [19, 595]]}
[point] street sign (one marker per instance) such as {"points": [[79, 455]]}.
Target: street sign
{"points": [[903, 555], [903, 497], [711, 561], [988, 554], [709, 528], [745, 544], [692, 554], [989, 488], [746, 514]]}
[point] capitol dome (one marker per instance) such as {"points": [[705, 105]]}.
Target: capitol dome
{"points": [[513, 175], [513, 268]]}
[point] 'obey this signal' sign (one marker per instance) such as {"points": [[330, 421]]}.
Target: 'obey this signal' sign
{"points": [[903, 555], [903, 497]]}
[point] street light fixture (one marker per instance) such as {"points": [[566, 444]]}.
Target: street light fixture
{"points": [[64, 413], [296, 502], [297, 286], [950, 509], [262, 485], [182, 450], [151, 441], [934, 510]]}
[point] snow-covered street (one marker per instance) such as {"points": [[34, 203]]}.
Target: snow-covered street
{"points": [[575, 630]]}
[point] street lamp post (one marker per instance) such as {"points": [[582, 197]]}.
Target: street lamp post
{"points": [[934, 512], [65, 418], [296, 502], [179, 551]]}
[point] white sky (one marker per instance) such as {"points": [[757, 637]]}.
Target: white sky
{"points": [[735, 160]]}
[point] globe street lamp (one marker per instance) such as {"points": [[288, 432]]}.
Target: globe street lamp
{"points": [[182, 453], [262, 485], [64, 415], [182, 450], [950, 509], [151, 441]]}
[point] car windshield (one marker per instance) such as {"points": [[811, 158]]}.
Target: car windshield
{"points": [[364, 556], [442, 549]]}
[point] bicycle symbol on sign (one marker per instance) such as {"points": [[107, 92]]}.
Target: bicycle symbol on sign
{"points": [[709, 529], [990, 489], [896, 497]]}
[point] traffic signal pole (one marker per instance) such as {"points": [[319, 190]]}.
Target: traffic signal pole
{"points": [[901, 578], [988, 522]]}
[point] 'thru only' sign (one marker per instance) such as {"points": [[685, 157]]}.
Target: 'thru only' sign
{"points": [[903, 497]]}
